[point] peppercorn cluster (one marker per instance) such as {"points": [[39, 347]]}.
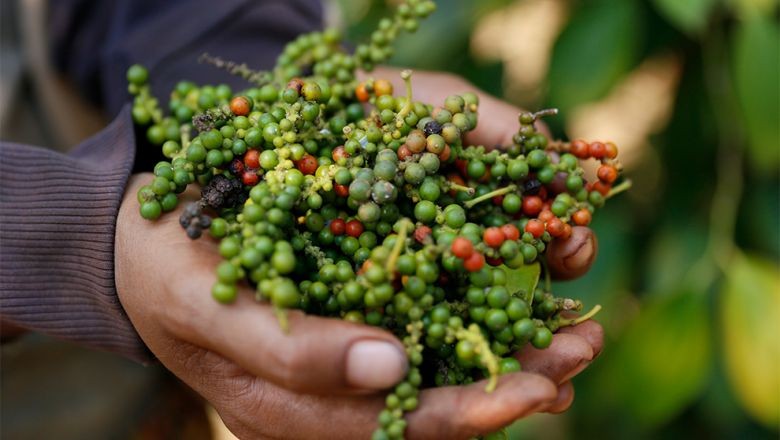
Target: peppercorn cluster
{"points": [[344, 199]]}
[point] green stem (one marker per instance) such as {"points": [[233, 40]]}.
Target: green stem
{"points": [[406, 75], [583, 318], [545, 112], [456, 187], [619, 188], [154, 110], [184, 130], [396, 252], [482, 349], [490, 195]]}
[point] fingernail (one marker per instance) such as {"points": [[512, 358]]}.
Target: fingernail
{"points": [[575, 371], [373, 364]]}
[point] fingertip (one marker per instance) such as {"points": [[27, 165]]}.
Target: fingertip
{"points": [[568, 355], [564, 399], [589, 330], [572, 257]]}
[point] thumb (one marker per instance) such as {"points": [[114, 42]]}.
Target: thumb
{"points": [[315, 355]]}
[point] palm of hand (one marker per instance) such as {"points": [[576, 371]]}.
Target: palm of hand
{"points": [[265, 383]]}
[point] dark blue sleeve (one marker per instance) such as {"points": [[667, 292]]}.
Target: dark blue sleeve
{"points": [[95, 41]]}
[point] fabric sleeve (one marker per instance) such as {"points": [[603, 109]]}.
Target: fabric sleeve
{"points": [[57, 220], [58, 212], [95, 41]]}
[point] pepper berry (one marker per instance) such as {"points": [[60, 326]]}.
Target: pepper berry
{"points": [[474, 262], [493, 237], [240, 105], [532, 205], [307, 164], [581, 217], [354, 228], [252, 159], [338, 226], [535, 228], [462, 248]]}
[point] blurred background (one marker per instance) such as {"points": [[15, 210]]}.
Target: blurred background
{"points": [[687, 270]]}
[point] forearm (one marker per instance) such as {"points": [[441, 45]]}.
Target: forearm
{"points": [[57, 224]]}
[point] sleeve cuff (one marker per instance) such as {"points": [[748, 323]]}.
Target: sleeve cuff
{"points": [[57, 227]]}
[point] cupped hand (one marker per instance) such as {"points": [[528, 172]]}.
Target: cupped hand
{"points": [[324, 379]]}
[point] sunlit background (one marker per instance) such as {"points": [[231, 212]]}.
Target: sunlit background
{"points": [[688, 264], [687, 270]]}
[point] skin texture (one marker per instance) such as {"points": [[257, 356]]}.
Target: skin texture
{"points": [[572, 258], [267, 384]]}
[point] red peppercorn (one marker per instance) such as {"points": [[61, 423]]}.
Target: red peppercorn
{"points": [[498, 200], [456, 179], [566, 231], [602, 187], [461, 247], [444, 156], [339, 153], [338, 226], [607, 173], [535, 227], [361, 93], [581, 217], [510, 232], [532, 205], [461, 165], [579, 148], [546, 215], [354, 228], [610, 150], [295, 84], [494, 261], [307, 164], [403, 152], [250, 178], [422, 233], [252, 159], [493, 237], [555, 227], [474, 262], [597, 150], [240, 105], [341, 190]]}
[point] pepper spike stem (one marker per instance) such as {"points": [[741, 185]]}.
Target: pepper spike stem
{"points": [[406, 75], [490, 195], [396, 252]]}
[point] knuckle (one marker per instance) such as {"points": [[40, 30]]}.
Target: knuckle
{"points": [[292, 366]]}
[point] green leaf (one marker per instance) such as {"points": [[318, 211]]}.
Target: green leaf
{"points": [[747, 8], [523, 280], [750, 313], [690, 16], [595, 50], [756, 72], [662, 362]]}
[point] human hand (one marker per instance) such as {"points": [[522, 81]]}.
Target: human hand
{"points": [[322, 379], [566, 259]]}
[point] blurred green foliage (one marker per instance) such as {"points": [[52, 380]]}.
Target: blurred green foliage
{"points": [[688, 272]]}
